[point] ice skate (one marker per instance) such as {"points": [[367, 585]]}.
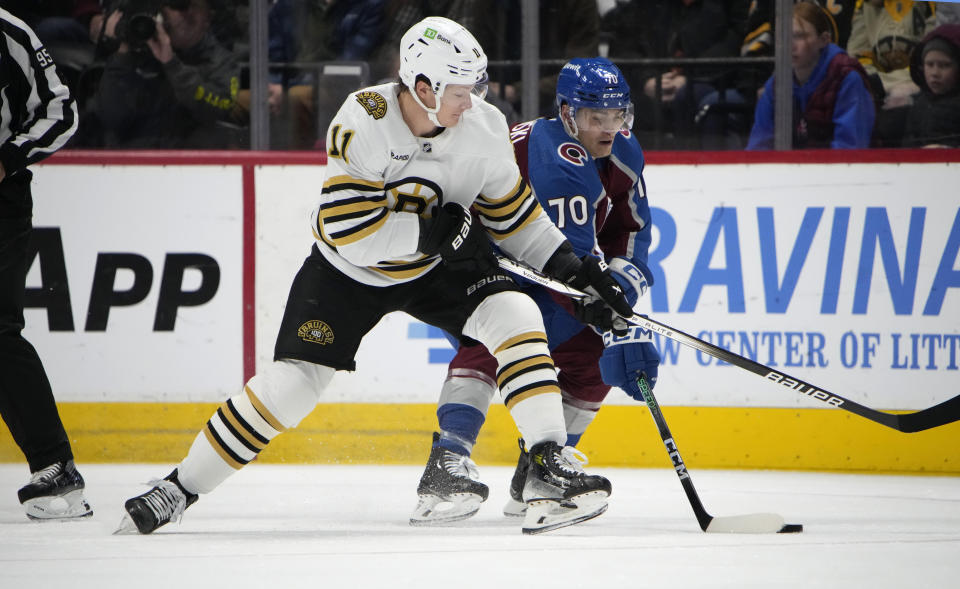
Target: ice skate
{"points": [[449, 489], [55, 492], [166, 501], [558, 493], [515, 506]]}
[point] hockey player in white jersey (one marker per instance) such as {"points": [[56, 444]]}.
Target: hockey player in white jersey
{"points": [[394, 232]]}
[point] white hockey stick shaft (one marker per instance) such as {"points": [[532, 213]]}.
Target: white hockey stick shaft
{"points": [[943, 413]]}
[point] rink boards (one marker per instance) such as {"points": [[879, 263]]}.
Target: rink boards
{"points": [[160, 281]]}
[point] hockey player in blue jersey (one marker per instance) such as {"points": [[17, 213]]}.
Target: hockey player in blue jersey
{"points": [[585, 168]]}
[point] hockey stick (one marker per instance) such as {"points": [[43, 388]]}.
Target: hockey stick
{"points": [[754, 523], [940, 414]]}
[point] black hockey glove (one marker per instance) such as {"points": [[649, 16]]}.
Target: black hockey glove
{"points": [[460, 240], [597, 313], [606, 306]]}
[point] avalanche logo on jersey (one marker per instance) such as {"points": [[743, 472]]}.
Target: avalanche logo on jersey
{"points": [[573, 153], [373, 103]]}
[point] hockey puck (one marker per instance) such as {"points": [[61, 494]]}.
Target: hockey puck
{"points": [[791, 529]]}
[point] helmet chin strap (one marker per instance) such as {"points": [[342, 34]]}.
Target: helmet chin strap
{"points": [[570, 126], [431, 112]]}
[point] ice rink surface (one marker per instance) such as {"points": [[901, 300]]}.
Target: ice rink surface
{"points": [[282, 527]]}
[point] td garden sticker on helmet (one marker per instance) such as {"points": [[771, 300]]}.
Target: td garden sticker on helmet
{"points": [[374, 103], [430, 33], [316, 332]]}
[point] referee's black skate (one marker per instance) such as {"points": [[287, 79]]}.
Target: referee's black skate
{"points": [[449, 489], [558, 493], [166, 501], [55, 492], [515, 506]]}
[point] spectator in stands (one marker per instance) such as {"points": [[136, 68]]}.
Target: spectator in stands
{"points": [[683, 29], [934, 118], [290, 92], [59, 21], [833, 105], [568, 29], [69, 30], [400, 15], [174, 89], [883, 37], [485, 18], [760, 32], [312, 33]]}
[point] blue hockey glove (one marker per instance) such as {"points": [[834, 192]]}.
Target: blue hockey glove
{"points": [[625, 357], [633, 278]]}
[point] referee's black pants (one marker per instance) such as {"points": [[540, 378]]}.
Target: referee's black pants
{"points": [[26, 401]]}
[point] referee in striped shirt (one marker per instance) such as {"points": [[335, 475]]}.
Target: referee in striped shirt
{"points": [[37, 116]]}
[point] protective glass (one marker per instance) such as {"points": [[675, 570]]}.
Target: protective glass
{"points": [[609, 120]]}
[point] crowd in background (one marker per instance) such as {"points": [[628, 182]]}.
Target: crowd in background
{"points": [[185, 84]]}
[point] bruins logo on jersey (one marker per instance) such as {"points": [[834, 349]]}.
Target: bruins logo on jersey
{"points": [[316, 332], [373, 103]]}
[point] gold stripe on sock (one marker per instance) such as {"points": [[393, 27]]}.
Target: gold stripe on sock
{"points": [[548, 388], [536, 336], [264, 412], [541, 361]]}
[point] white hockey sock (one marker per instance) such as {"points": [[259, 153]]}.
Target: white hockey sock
{"points": [[272, 401], [510, 325], [528, 382], [540, 419], [231, 438]]}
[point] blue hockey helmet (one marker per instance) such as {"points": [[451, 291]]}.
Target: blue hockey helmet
{"points": [[594, 83]]}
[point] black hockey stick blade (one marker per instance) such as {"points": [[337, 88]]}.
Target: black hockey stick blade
{"points": [[754, 523], [940, 414]]}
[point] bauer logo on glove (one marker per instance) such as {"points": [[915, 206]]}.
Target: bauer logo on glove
{"points": [[464, 230]]}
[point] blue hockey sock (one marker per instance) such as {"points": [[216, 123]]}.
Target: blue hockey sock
{"points": [[572, 439], [459, 426]]}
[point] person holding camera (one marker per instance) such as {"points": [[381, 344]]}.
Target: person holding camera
{"points": [[169, 84]]}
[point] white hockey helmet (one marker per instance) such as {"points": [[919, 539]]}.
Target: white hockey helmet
{"points": [[445, 53]]}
